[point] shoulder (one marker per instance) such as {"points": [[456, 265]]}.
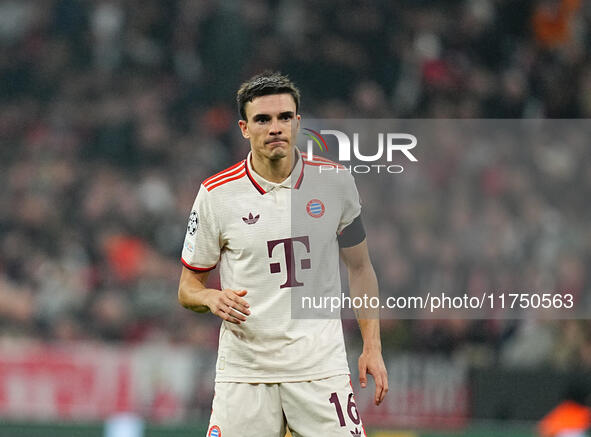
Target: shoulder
{"points": [[321, 161], [222, 178], [325, 171]]}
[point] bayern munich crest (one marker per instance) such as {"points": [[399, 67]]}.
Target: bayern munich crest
{"points": [[193, 223], [214, 431], [315, 208]]}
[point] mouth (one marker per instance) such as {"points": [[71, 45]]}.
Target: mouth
{"points": [[275, 143]]}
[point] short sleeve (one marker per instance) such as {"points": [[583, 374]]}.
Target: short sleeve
{"points": [[201, 249], [351, 205]]}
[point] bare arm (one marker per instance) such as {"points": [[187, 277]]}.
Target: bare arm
{"points": [[226, 304], [363, 281]]}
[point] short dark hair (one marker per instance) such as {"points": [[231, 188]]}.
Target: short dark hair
{"points": [[263, 84]]}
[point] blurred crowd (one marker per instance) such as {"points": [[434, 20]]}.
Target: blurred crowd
{"points": [[112, 112]]}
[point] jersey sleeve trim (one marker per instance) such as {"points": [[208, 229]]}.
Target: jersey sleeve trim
{"points": [[197, 269]]}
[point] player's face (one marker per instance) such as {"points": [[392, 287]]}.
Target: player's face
{"points": [[271, 125]]}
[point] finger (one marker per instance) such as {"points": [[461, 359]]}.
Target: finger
{"points": [[235, 313], [230, 318], [230, 305], [362, 375], [240, 304], [228, 292], [384, 383], [380, 396], [225, 309], [233, 299], [230, 310], [379, 388]]}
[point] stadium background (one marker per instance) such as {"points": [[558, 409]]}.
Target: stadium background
{"points": [[113, 111]]}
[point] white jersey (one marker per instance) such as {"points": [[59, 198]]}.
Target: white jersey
{"points": [[270, 246]]}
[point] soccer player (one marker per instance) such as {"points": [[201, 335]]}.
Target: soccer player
{"points": [[273, 369]]}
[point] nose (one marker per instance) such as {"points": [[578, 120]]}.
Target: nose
{"points": [[275, 128]]}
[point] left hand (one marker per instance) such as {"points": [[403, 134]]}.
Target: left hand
{"points": [[371, 361]]}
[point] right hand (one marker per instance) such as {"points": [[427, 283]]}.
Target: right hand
{"points": [[228, 305]]}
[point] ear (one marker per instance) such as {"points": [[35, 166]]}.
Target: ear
{"points": [[295, 125], [243, 128]]}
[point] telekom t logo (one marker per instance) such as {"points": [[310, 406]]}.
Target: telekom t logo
{"points": [[289, 258]]}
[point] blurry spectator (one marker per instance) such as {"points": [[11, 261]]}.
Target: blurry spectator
{"points": [[552, 21], [571, 418], [110, 118]]}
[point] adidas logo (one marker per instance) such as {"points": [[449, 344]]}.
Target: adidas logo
{"points": [[356, 433], [250, 220]]}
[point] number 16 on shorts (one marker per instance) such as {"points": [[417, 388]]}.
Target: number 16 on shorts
{"points": [[351, 410]]}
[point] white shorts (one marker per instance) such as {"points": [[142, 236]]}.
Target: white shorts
{"points": [[323, 407]]}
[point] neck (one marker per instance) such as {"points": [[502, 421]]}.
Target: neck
{"points": [[273, 170]]}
